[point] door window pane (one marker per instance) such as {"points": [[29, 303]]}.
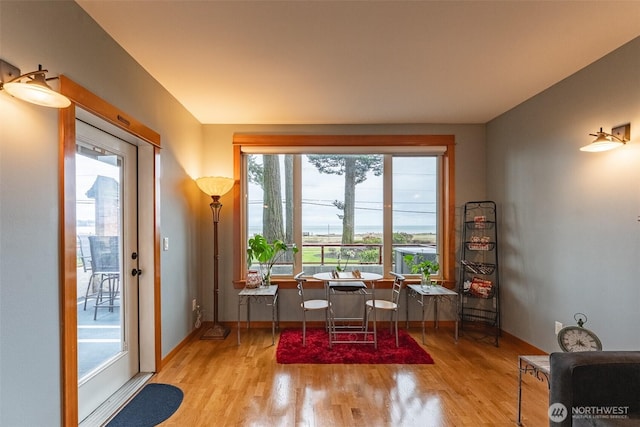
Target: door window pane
{"points": [[99, 219]]}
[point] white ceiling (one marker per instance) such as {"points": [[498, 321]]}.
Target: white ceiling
{"points": [[367, 61]]}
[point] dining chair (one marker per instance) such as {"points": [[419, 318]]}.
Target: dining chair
{"points": [[387, 305], [312, 304]]}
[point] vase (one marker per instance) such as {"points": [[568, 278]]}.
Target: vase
{"points": [[266, 279], [253, 279], [425, 281]]}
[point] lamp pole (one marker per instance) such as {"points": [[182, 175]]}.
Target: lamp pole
{"points": [[217, 331], [216, 187]]}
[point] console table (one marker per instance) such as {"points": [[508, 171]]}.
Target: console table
{"points": [[539, 367], [435, 293], [266, 294]]}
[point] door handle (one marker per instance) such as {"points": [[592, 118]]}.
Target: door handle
{"points": [[136, 272]]}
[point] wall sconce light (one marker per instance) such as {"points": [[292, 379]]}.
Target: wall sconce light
{"points": [[608, 141], [33, 89]]}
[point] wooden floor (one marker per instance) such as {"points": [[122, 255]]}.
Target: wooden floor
{"points": [[472, 383]]}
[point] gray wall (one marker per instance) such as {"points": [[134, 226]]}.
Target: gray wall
{"points": [[61, 37], [569, 229]]}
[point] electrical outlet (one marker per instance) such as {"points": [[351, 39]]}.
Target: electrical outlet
{"points": [[558, 327], [193, 305]]}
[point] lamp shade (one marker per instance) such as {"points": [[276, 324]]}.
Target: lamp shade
{"points": [[37, 91], [603, 142], [215, 185], [597, 146]]}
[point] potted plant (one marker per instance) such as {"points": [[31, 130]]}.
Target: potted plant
{"points": [[267, 254], [423, 266]]}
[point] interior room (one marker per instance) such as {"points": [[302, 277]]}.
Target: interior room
{"points": [[566, 242]]}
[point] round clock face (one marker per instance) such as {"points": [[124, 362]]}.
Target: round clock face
{"points": [[576, 338]]}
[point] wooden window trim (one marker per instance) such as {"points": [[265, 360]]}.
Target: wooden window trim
{"points": [[447, 189]]}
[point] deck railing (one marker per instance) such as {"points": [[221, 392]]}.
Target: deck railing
{"points": [[331, 253]]}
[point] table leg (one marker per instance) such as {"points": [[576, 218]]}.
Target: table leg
{"points": [[239, 304], [332, 324], [406, 306], [435, 312], [330, 321], [375, 329], [423, 314], [248, 312], [457, 315], [278, 310], [518, 422], [273, 318]]}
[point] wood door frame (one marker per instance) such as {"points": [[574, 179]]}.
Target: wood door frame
{"points": [[90, 102]]}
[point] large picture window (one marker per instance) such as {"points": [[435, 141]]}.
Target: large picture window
{"points": [[345, 203]]}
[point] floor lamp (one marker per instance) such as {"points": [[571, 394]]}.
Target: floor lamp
{"points": [[215, 186]]}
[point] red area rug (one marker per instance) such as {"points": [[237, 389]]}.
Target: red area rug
{"points": [[290, 349]]}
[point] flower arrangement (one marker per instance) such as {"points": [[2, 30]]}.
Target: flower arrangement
{"points": [[339, 267]]}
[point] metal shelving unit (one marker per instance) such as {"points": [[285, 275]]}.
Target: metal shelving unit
{"points": [[479, 287]]}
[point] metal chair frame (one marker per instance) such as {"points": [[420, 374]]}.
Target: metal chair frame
{"points": [[312, 305], [388, 305]]}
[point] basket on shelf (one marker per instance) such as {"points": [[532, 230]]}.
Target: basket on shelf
{"points": [[479, 267], [479, 288]]}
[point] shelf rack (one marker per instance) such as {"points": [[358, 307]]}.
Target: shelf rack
{"points": [[478, 286]]}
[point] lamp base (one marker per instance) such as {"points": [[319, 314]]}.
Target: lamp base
{"points": [[216, 332]]}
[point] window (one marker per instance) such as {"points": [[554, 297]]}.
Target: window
{"points": [[350, 201]]}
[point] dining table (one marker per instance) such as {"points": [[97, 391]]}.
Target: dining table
{"points": [[341, 329]]}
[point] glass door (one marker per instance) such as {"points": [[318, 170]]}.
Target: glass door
{"points": [[107, 281]]}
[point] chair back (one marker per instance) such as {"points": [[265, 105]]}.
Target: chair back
{"points": [[104, 254], [84, 252], [298, 277], [398, 281]]}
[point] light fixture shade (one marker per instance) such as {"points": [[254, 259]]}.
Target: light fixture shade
{"points": [[601, 143], [215, 185], [608, 141], [37, 91]]}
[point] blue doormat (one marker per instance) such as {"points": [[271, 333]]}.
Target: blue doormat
{"points": [[151, 406]]}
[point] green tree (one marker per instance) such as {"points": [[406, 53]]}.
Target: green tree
{"points": [[272, 216], [267, 176], [355, 169]]}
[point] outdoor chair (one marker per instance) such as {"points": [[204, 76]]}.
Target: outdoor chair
{"points": [[84, 254], [105, 264]]}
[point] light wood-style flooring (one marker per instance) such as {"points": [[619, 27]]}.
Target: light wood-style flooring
{"points": [[472, 383]]}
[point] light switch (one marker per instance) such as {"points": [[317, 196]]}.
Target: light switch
{"points": [[165, 244]]}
